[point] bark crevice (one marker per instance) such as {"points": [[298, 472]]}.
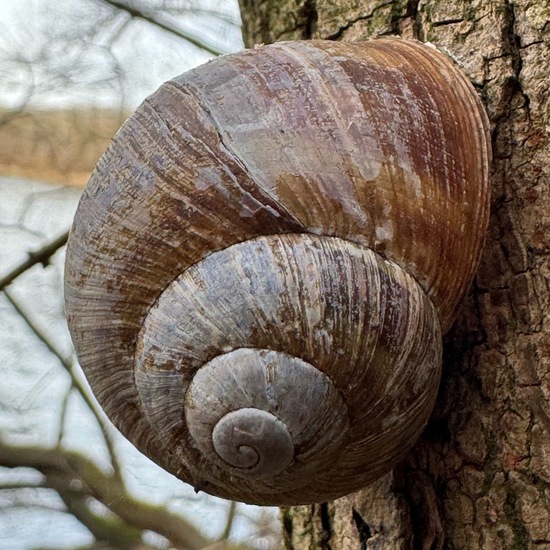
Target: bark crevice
{"points": [[326, 526], [363, 529]]}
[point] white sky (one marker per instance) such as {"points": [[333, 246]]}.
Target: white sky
{"points": [[147, 55]]}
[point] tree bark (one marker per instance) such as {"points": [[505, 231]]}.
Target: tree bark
{"points": [[480, 476]]}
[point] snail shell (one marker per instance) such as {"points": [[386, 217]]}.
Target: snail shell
{"points": [[263, 262]]}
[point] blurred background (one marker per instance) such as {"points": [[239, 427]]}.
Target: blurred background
{"points": [[71, 71]]}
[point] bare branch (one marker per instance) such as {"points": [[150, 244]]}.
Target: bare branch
{"points": [[153, 18], [215, 14], [63, 415], [10, 486], [64, 468], [68, 364], [106, 529], [230, 520], [41, 256], [32, 506]]}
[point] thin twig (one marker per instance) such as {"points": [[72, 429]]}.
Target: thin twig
{"points": [[63, 415], [27, 506], [155, 20], [13, 485], [229, 522], [41, 256], [215, 14], [68, 364]]}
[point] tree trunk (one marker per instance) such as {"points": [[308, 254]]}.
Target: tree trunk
{"points": [[480, 476]]}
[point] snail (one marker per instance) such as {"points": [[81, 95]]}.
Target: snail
{"points": [[264, 261]]}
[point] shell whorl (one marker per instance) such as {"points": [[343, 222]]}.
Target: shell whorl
{"points": [[264, 259], [251, 408], [300, 332]]}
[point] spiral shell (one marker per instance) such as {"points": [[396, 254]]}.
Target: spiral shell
{"points": [[264, 260]]}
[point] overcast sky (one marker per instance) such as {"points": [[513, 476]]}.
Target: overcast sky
{"points": [[147, 55]]}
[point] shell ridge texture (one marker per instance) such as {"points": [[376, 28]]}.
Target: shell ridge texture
{"points": [[191, 91], [266, 257]]}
